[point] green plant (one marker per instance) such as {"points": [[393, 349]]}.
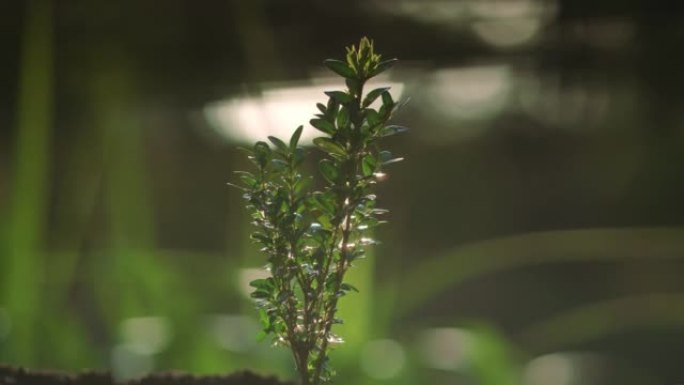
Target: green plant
{"points": [[313, 237]]}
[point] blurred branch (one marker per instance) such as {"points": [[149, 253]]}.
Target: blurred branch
{"points": [[467, 262], [592, 321]]}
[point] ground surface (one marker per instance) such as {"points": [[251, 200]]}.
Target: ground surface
{"points": [[20, 376]]}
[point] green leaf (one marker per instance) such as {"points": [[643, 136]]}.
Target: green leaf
{"points": [[348, 287], [354, 86], [262, 283], [352, 57], [324, 202], [323, 125], [249, 180], [248, 151], [329, 171], [299, 156], [391, 130], [340, 96], [365, 49], [383, 66], [387, 101], [261, 148], [326, 223], [294, 140], [321, 107], [390, 161], [330, 282], [330, 146], [331, 108], [368, 165], [283, 296], [354, 255], [373, 117], [280, 145], [339, 67], [260, 294], [261, 237], [261, 335], [343, 118], [265, 321], [237, 186], [262, 153], [371, 96], [278, 165]]}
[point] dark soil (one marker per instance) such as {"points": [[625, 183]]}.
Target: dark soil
{"points": [[20, 376]]}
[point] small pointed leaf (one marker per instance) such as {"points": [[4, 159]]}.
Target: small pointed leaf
{"points": [[373, 117], [371, 96], [383, 66], [248, 180], [340, 97], [262, 153], [294, 140], [387, 101], [323, 125], [348, 287], [392, 130], [280, 145], [354, 86], [278, 164], [368, 165], [339, 67], [330, 146], [342, 118], [321, 107], [393, 160], [328, 170]]}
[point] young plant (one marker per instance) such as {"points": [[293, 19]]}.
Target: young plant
{"points": [[312, 238]]}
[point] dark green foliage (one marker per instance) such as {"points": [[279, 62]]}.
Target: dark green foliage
{"points": [[311, 238]]}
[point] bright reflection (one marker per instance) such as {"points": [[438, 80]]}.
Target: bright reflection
{"points": [[512, 22], [507, 33], [277, 112], [127, 364], [565, 369], [234, 332], [550, 369], [437, 12], [245, 276], [471, 93], [5, 324], [506, 9], [382, 359], [501, 23], [446, 348], [146, 335]]}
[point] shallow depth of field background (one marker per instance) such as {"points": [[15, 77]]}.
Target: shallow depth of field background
{"points": [[536, 233]]}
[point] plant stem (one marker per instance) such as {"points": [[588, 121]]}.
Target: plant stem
{"points": [[346, 222]]}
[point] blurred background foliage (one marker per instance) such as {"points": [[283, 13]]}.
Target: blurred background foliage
{"points": [[536, 232]]}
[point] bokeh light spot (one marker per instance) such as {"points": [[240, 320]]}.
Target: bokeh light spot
{"points": [[382, 359], [234, 332], [445, 348], [146, 335]]}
